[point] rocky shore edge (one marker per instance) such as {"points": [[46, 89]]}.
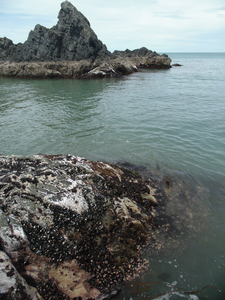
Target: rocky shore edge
{"points": [[71, 49], [71, 227], [84, 69]]}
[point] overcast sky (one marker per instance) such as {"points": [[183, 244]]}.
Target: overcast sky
{"points": [[160, 25]]}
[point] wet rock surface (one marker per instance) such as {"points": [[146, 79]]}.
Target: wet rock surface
{"points": [[71, 49], [77, 228], [12, 284]]}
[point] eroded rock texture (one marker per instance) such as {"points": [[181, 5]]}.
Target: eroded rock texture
{"points": [[71, 39], [145, 59], [77, 228], [12, 284], [74, 226], [83, 69]]}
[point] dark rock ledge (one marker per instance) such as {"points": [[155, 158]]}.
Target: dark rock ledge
{"points": [[71, 49], [77, 228]]}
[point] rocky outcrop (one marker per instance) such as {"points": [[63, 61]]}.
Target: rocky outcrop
{"points": [[72, 39], [146, 59], [71, 226], [76, 228], [86, 69], [71, 49], [176, 65], [68, 69]]}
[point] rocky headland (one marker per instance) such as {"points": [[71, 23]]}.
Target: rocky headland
{"points": [[71, 49]]}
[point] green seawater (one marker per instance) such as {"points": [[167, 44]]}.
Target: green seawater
{"points": [[171, 121]]}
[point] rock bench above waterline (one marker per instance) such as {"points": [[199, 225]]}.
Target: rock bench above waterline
{"points": [[84, 69]]}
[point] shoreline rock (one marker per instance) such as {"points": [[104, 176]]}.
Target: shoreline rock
{"points": [[145, 59], [71, 49], [73, 225], [176, 65], [83, 69]]}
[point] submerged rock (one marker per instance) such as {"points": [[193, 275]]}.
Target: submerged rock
{"points": [[71, 49]]}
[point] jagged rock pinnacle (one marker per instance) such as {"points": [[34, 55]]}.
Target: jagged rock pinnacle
{"points": [[71, 49], [72, 39]]}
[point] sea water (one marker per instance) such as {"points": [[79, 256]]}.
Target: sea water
{"points": [[171, 121]]}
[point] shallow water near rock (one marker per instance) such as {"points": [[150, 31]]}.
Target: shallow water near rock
{"points": [[168, 121]]}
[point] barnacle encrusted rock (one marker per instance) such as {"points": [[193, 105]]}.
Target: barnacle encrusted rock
{"points": [[12, 284], [72, 225], [74, 228]]}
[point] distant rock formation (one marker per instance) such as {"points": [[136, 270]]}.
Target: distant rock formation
{"points": [[83, 69], [71, 39], [145, 59], [63, 46]]}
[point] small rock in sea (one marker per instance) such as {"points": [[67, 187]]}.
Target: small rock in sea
{"points": [[176, 65]]}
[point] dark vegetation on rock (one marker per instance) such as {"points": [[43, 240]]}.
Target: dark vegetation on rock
{"points": [[77, 228], [72, 225], [71, 49]]}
